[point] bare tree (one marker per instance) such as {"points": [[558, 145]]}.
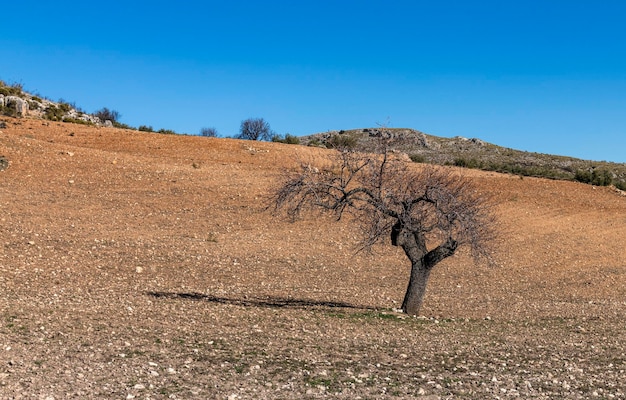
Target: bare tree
{"points": [[209, 132], [427, 211], [255, 129], [105, 114]]}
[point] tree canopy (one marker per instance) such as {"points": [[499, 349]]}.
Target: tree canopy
{"points": [[255, 129]]}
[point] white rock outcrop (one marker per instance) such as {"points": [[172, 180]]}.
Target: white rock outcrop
{"points": [[20, 105]]}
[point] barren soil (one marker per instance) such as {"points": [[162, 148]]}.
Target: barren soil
{"points": [[139, 265]]}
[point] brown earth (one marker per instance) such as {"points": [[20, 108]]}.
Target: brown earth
{"points": [[139, 265]]}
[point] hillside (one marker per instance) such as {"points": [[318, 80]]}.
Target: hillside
{"points": [[139, 265], [475, 153], [418, 146]]}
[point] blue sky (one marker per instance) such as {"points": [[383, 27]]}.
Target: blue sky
{"points": [[544, 76]]}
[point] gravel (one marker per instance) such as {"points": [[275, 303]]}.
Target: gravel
{"points": [[138, 265]]}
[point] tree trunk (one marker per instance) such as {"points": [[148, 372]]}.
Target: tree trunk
{"points": [[422, 262], [414, 296]]}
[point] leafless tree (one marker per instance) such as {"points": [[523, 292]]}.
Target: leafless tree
{"points": [[105, 114], [209, 132], [428, 211], [255, 129]]}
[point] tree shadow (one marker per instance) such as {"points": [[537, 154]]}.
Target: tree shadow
{"points": [[266, 302]]}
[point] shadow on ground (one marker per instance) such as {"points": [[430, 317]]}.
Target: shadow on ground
{"points": [[267, 302]]}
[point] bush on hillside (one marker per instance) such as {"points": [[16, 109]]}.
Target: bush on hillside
{"points": [[53, 113], [417, 158], [107, 115], [342, 142], [121, 125], [315, 142], [209, 132], [77, 121], [8, 111], [15, 89], [467, 163], [287, 139], [145, 128], [598, 177]]}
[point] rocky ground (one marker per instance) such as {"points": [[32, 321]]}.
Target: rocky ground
{"points": [[139, 265]]}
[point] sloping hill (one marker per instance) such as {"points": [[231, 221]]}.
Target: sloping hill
{"points": [[475, 153], [138, 264]]}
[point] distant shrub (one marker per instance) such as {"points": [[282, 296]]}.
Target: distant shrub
{"points": [[15, 89], [209, 132], [77, 121], [121, 125], [166, 131], [8, 111], [417, 158], [583, 176], [291, 139], [287, 139], [598, 177], [65, 107], [107, 115], [342, 142], [145, 128], [53, 113], [315, 142], [467, 163]]}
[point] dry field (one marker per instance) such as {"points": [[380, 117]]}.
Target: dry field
{"points": [[139, 265]]}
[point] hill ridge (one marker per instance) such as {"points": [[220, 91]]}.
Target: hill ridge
{"points": [[417, 145], [474, 153]]}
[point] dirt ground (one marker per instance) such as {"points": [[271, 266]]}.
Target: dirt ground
{"points": [[142, 265]]}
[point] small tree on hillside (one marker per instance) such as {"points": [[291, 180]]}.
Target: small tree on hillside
{"points": [[209, 132], [105, 114], [427, 211], [255, 129]]}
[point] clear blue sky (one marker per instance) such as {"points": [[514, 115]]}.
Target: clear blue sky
{"points": [[536, 75]]}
